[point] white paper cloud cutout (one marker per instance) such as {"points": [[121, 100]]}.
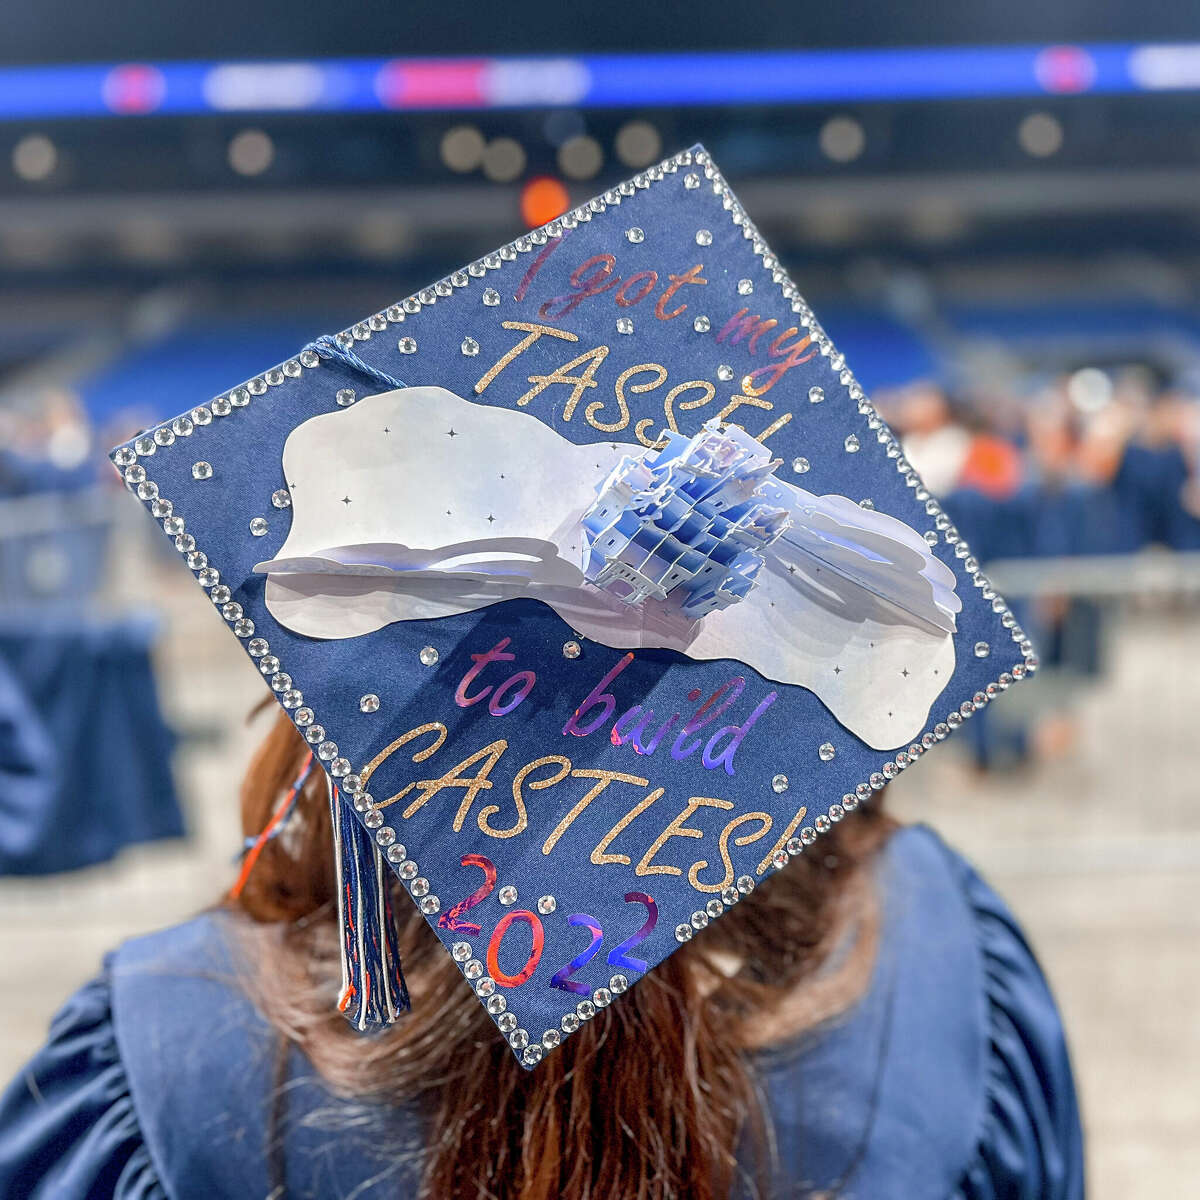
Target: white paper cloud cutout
{"points": [[417, 504]]}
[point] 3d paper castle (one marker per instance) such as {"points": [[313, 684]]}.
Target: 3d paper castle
{"points": [[686, 518]]}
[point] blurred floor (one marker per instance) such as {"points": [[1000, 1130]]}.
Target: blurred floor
{"points": [[1099, 855]]}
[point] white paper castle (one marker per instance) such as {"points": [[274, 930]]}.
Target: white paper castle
{"points": [[688, 518]]}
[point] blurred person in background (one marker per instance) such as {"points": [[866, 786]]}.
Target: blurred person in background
{"points": [[868, 1023]]}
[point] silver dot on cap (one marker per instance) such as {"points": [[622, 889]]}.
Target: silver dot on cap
{"points": [[369, 703]]}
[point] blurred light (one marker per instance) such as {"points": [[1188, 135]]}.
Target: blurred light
{"points": [[1040, 135], [580, 157], [462, 148], [34, 157], [638, 144], [1089, 390], [240, 87], [842, 139], [1065, 69], [1161, 67], [503, 160], [251, 152], [134, 88], [542, 200], [520, 83]]}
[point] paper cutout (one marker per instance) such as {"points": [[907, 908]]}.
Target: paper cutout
{"points": [[479, 504], [687, 520]]}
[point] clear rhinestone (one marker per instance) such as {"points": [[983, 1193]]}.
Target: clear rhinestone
{"points": [[701, 324], [407, 345], [258, 526], [460, 951], [691, 181], [569, 1023], [314, 734], [231, 612], [725, 372], [197, 560], [368, 703], [240, 397], [430, 905], [491, 297], [269, 664], [221, 594], [221, 406], [202, 470], [209, 577], [602, 997], [635, 235], [507, 895], [243, 628], [745, 287], [470, 347], [801, 465], [703, 237], [292, 698], [162, 508], [506, 1022], [147, 490], [571, 649], [624, 325], [825, 752], [163, 436], [714, 908], [683, 933], [145, 446], [345, 397], [125, 457], [429, 656], [281, 498], [182, 427], [982, 649], [532, 1055], [419, 886], [816, 395], [135, 474], [546, 904], [586, 1009], [496, 1004], [745, 884], [258, 647], [304, 716], [327, 751], [473, 969], [618, 984], [339, 768], [551, 1038], [851, 444], [779, 783]]}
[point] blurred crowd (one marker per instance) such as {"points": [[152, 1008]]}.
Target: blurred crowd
{"points": [[1091, 462]]}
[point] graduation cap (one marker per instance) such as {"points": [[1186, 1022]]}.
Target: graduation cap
{"points": [[596, 585]]}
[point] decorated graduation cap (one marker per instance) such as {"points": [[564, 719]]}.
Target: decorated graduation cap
{"points": [[596, 585]]}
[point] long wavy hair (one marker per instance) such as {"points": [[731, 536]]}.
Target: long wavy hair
{"points": [[654, 1098]]}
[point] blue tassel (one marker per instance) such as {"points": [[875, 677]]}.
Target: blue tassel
{"points": [[374, 993]]}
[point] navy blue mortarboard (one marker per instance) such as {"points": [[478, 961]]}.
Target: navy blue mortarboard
{"points": [[595, 583]]}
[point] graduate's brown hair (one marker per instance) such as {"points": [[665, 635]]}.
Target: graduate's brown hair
{"points": [[654, 1098]]}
